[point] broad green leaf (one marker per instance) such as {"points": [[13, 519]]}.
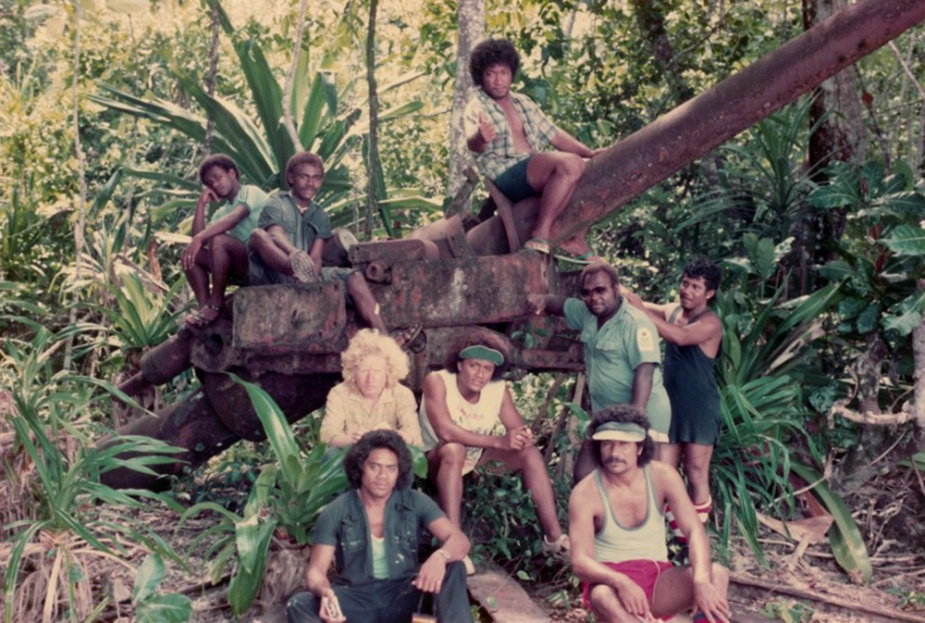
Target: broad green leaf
{"points": [[277, 428], [847, 542], [171, 608], [147, 578], [906, 240]]}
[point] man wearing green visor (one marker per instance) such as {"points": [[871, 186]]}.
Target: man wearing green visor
{"points": [[468, 418], [617, 531]]}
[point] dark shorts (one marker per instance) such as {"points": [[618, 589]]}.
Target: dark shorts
{"points": [[644, 573], [259, 274], [702, 428], [513, 182]]}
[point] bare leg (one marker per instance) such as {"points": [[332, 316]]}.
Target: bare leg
{"points": [[670, 453], [697, 469], [229, 257], [365, 302], [607, 606], [584, 464], [445, 465], [529, 462], [555, 174], [272, 254], [198, 277], [674, 590]]}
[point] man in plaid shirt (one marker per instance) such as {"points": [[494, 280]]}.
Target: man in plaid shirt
{"points": [[507, 131]]}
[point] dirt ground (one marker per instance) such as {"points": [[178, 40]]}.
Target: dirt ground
{"points": [[757, 592]]}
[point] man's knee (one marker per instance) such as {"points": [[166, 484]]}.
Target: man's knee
{"points": [[575, 166], [259, 240], [604, 601], [302, 608], [450, 455]]}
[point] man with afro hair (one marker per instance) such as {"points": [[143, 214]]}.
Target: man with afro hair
{"points": [[508, 133]]}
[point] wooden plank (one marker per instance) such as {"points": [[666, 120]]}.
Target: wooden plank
{"points": [[503, 598]]}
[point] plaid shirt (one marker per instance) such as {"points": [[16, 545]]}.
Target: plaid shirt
{"points": [[500, 155]]}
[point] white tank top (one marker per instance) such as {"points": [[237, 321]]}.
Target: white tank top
{"points": [[614, 543], [480, 417]]}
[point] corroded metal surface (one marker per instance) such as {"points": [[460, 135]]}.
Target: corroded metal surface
{"points": [[287, 318], [477, 290]]}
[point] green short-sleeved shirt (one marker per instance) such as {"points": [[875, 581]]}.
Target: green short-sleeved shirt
{"points": [[302, 229], [252, 198], [500, 155], [612, 354], [343, 524]]}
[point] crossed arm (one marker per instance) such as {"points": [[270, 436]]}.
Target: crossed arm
{"points": [[516, 437]]}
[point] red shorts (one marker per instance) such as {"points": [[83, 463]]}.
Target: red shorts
{"points": [[643, 572]]}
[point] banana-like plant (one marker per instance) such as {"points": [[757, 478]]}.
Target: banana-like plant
{"points": [[288, 494], [262, 149], [61, 529]]}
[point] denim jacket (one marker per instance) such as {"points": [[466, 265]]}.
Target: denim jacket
{"points": [[343, 524]]}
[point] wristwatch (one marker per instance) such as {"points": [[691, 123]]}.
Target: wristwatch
{"points": [[445, 554]]}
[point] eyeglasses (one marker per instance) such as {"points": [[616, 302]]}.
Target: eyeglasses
{"points": [[599, 290]]}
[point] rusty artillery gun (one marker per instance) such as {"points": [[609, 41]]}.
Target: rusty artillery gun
{"points": [[451, 277], [288, 338]]}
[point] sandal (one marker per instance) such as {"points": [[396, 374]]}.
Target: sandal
{"points": [[583, 260], [203, 317], [303, 268], [537, 244], [404, 337]]}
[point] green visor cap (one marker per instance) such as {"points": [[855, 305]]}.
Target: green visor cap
{"points": [[482, 352], [619, 431]]}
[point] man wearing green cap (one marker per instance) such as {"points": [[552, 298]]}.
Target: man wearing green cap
{"points": [[617, 531], [462, 409]]}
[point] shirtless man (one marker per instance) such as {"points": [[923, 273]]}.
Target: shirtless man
{"points": [[617, 531], [693, 336], [507, 131]]}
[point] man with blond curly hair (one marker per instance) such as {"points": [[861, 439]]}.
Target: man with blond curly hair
{"points": [[371, 396]]}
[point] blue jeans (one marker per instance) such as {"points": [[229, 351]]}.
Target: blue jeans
{"points": [[389, 601]]}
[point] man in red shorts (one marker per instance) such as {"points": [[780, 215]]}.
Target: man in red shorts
{"points": [[617, 531]]}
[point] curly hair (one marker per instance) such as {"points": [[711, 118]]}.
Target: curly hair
{"points": [[217, 160], [492, 52], [370, 343], [624, 413], [304, 157], [485, 339], [356, 456], [702, 268], [599, 267]]}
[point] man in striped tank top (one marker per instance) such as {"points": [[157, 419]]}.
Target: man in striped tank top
{"points": [[617, 531]]}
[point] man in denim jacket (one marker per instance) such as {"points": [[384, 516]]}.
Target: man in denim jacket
{"points": [[371, 533]]}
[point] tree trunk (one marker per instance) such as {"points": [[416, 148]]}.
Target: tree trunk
{"points": [[918, 350], [652, 24], [372, 161], [840, 135], [693, 129], [470, 15], [80, 225]]}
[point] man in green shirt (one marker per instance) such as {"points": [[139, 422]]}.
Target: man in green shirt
{"points": [[288, 243], [219, 248], [621, 350], [371, 534]]}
